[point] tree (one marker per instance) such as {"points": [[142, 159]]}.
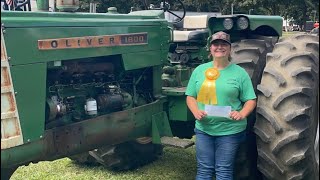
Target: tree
{"points": [[300, 10], [123, 6]]}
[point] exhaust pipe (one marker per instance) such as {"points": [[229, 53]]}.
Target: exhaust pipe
{"points": [[43, 5]]}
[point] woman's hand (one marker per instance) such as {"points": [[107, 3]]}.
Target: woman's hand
{"points": [[192, 104], [236, 115], [199, 114], [246, 110]]}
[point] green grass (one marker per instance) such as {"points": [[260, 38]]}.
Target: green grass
{"points": [[174, 164], [286, 34]]}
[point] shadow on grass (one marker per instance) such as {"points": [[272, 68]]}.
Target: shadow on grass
{"points": [[174, 164]]}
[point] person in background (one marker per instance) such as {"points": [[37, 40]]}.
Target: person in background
{"points": [[316, 24], [221, 96]]}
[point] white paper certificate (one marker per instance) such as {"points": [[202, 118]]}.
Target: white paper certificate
{"points": [[222, 111]]}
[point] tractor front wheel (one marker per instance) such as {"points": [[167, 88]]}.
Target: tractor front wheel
{"points": [[84, 158], [128, 155]]}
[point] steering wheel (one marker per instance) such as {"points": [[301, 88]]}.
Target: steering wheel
{"points": [[165, 6]]}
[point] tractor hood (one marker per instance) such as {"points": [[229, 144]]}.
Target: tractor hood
{"points": [[257, 24]]}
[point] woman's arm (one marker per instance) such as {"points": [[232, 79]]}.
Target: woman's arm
{"points": [[193, 106], [248, 107]]}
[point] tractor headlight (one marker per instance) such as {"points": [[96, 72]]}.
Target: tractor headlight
{"points": [[228, 23], [243, 23]]}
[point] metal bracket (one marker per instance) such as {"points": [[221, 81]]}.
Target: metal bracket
{"points": [[160, 127], [3, 28]]}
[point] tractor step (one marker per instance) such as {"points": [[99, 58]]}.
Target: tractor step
{"points": [[176, 142]]}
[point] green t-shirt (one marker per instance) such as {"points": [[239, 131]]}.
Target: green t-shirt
{"points": [[233, 88]]}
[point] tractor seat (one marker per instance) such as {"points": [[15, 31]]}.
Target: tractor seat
{"points": [[194, 29]]}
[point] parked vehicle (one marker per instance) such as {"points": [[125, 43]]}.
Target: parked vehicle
{"points": [[295, 28], [309, 26]]}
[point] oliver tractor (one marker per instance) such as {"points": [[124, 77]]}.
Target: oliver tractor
{"points": [[104, 88]]}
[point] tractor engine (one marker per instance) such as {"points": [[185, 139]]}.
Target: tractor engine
{"points": [[83, 89]]}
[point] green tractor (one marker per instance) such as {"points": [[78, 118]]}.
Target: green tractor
{"points": [[283, 132], [103, 88], [82, 81]]}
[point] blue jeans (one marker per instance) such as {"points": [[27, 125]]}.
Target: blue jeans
{"points": [[216, 154]]}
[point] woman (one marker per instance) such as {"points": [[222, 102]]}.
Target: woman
{"points": [[220, 95]]}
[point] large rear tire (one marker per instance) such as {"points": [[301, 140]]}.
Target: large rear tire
{"points": [[250, 54], [287, 107]]}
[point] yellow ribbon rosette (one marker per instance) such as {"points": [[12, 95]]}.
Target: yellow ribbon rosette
{"points": [[207, 93]]}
